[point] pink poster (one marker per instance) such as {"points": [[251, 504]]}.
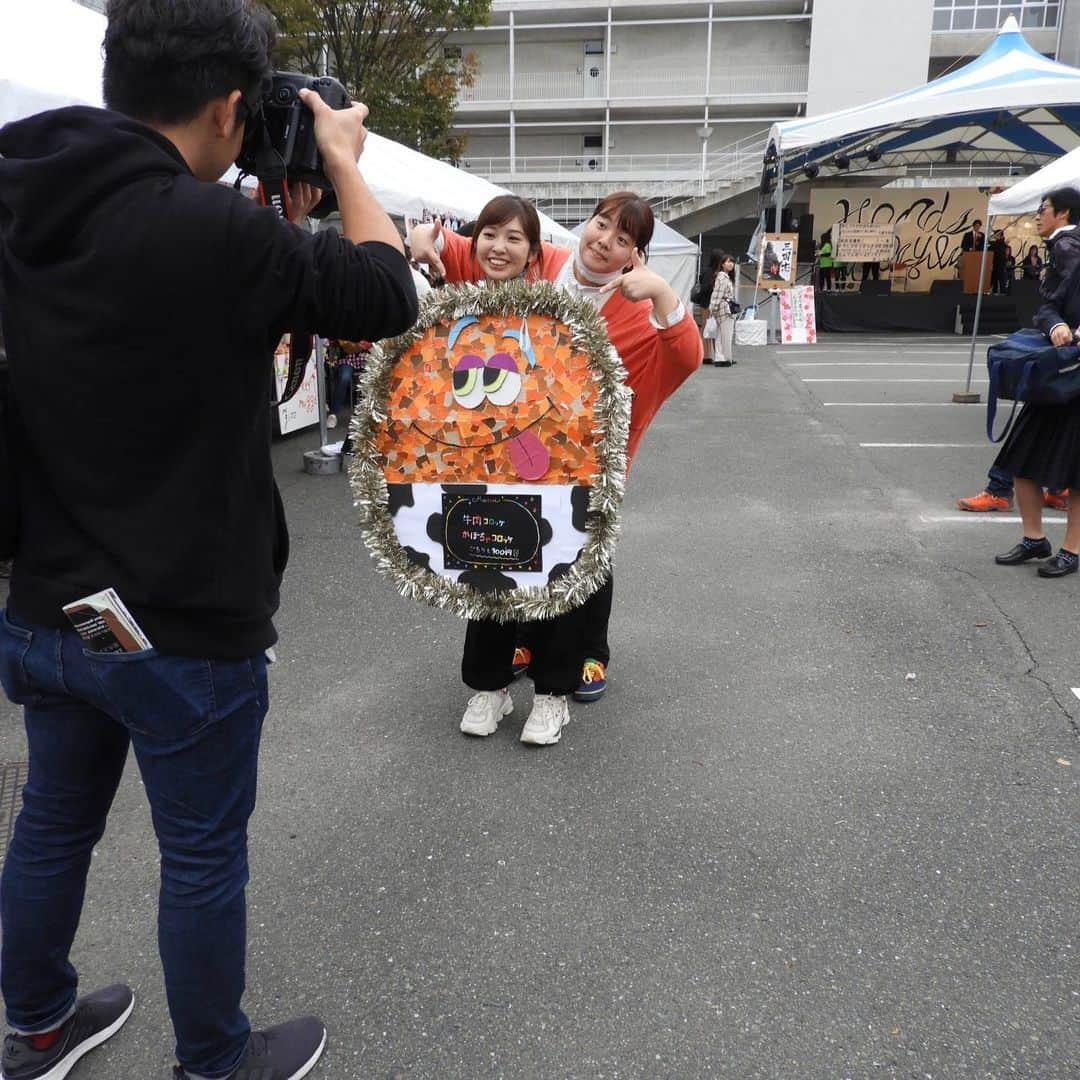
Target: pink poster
{"points": [[798, 325]]}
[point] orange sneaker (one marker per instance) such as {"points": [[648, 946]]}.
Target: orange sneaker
{"points": [[1056, 500], [984, 501], [522, 659]]}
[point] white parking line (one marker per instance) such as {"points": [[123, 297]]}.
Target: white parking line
{"points": [[878, 363], [952, 381], [991, 518], [897, 404], [926, 445]]}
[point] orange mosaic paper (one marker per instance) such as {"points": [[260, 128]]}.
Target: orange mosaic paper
{"points": [[429, 437]]}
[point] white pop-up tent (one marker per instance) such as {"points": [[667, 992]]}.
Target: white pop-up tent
{"points": [[672, 256], [1024, 197], [1009, 102], [51, 56]]}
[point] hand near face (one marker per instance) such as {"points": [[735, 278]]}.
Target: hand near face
{"points": [[641, 283], [423, 240]]}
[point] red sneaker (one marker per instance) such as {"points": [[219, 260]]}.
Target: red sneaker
{"points": [[984, 501], [1056, 500]]}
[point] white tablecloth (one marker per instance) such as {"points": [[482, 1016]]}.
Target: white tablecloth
{"points": [[751, 332]]}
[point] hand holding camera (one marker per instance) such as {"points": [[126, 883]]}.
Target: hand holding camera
{"points": [[339, 133]]}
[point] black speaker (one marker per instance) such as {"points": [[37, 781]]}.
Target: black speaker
{"points": [[786, 220], [806, 239], [875, 288], [946, 286]]}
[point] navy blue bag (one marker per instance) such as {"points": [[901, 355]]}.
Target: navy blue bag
{"points": [[1026, 367]]}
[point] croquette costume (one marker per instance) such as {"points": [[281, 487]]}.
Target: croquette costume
{"points": [[491, 452]]}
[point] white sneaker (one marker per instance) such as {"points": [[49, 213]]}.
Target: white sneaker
{"points": [[549, 716], [484, 711]]}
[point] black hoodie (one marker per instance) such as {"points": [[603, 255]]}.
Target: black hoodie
{"points": [[142, 307]]}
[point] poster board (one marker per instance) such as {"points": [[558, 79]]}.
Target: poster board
{"points": [[857, 243], [302, 409], [798, 318], [778, 260]]}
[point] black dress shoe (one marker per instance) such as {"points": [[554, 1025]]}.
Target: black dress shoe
{"points": [[1022, 553], [1062, 563]]}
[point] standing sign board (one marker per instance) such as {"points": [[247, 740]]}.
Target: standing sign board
{"points": [[302, 409], [856, 243], [778, 260], [798, 322]]}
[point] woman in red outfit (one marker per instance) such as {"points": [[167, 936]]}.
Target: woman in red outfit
{"points": [[658, 342]]}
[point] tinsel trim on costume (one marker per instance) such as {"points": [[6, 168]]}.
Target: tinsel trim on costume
{"points": [[612, 428]]}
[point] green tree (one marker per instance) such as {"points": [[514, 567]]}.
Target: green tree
{"points": [[389, 55]]}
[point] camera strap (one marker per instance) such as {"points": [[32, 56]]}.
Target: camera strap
{"points": [[274, 192]]}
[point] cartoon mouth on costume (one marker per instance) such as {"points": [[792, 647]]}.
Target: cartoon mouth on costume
{"points": [[528, 454]]}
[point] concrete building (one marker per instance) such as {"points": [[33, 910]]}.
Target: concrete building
{"points": [[675, 97]]}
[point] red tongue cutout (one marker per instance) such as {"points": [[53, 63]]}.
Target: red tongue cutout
{"points": [[529, 456]]}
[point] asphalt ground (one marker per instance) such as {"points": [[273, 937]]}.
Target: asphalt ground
{"points": [[823, 825]]}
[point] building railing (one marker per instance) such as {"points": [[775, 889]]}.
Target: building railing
{"points": [[765, 80], [731, 164]]}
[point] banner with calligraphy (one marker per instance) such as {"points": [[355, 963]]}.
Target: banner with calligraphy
{"points": [[798, 319], [928, 225]]}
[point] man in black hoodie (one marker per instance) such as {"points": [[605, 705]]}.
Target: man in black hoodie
{"points": [[142, 304]]}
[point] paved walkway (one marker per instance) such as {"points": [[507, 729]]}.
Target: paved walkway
{"points": [[824, 825]]}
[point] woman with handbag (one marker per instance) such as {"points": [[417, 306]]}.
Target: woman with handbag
{"points": [[722, 308], [1043, 447], [700, 299]]}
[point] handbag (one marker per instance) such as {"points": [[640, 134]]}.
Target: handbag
{"points": [[710, 328], [734, 307], [1026, 367]]}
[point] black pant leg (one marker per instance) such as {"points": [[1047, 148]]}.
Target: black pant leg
{"points": [[561, 646], [488, 656]]}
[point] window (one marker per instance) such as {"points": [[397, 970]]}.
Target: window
{"points": [[594, 48], [451, 52], [592, 142], [963, 15]]}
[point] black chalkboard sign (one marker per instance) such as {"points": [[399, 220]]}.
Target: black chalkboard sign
{"points": [[500, 532]]}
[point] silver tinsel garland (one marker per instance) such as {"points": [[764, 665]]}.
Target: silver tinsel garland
{"points": [[612, 427]]}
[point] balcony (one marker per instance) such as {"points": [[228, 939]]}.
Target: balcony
{"points": [[758, 82]]}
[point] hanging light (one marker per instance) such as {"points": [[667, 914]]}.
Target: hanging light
{"points": [[841, 161], [873, 152], [811, 169]]}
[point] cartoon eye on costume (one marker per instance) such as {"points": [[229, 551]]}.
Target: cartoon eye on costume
{"points": [[502, 383], [469, 381]]}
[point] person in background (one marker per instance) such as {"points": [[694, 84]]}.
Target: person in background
{"points": [[720, 307], [164, 293], [825, 261], [1043, 447], [700, 299], [974, 238], [1032, 265]]}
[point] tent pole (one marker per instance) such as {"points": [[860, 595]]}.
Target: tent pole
{"points": [[967, 397]]}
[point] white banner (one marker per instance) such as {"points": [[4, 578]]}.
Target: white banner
{"points": [[798, 319], [863, 243]]}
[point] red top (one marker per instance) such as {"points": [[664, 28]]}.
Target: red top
{"points": [[657, 362]]}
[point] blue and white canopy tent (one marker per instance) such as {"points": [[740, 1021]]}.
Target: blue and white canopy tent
{"points": [[1010, 106]]}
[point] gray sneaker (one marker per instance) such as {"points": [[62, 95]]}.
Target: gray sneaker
{"points": [[97, 1017], [286, 1052]]}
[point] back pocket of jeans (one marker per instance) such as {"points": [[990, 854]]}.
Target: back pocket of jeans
{"points": [[15, 642], [161, 697]]}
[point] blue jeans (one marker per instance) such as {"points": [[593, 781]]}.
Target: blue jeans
{"points": [[1001, 483], [195, 727]]}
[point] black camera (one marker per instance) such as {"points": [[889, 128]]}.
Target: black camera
{"points": [[280, 129]]}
